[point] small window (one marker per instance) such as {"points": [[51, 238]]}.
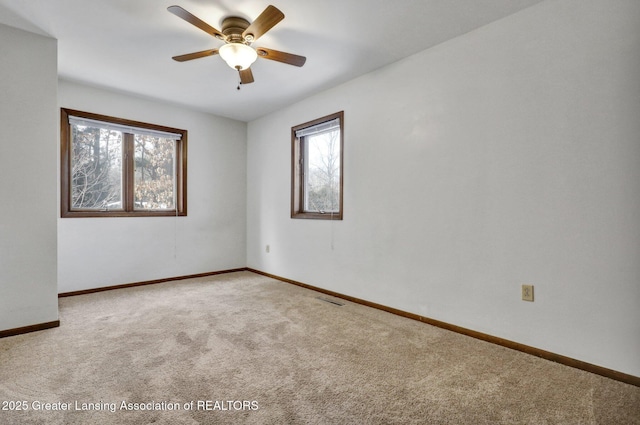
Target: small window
{"points": [[316, 168], [116, 167]]}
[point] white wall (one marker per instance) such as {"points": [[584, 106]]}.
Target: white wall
{"points": [[28, 84], [97, 252], [509, 155]]}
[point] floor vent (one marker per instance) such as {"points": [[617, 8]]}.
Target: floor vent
{"points": [[330, 301]]}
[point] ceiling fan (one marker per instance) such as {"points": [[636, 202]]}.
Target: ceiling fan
{"points": [[238, 34]]}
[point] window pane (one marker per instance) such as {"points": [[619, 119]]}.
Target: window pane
{"points": [[96, 168], [154, 177], [322, 172]]}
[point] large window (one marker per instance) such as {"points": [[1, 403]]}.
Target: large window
{"points": [[117, 167], [316, 168]]}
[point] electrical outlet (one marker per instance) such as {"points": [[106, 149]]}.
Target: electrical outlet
{"points": [[527, 292]]}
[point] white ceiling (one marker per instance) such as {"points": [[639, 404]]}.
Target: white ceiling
{"points": [[127, 45]]}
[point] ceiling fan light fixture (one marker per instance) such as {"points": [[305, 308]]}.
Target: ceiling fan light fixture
{"points": [[237, 55]]}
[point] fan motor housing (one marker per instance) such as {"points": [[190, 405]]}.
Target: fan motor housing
{"points": [[233, 27]]}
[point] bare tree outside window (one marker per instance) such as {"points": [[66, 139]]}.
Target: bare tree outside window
{"points": [[96, 171], [322, 176]]}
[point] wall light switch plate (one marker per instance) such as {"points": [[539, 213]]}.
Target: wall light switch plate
{"points": [[527, 292]]}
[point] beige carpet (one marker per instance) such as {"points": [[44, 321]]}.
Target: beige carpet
{"points": [[249, 349]]}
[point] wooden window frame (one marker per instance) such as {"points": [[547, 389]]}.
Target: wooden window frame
{"points": [[127, 173], [297, 172]]}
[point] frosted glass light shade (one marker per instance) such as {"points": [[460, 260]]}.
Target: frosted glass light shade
{"points": [[238, 55]]}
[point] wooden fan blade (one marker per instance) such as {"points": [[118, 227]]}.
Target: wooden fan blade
{"points": [[194, 20], [263, 23], [246, 76], [195, 55], [275, 55]]}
